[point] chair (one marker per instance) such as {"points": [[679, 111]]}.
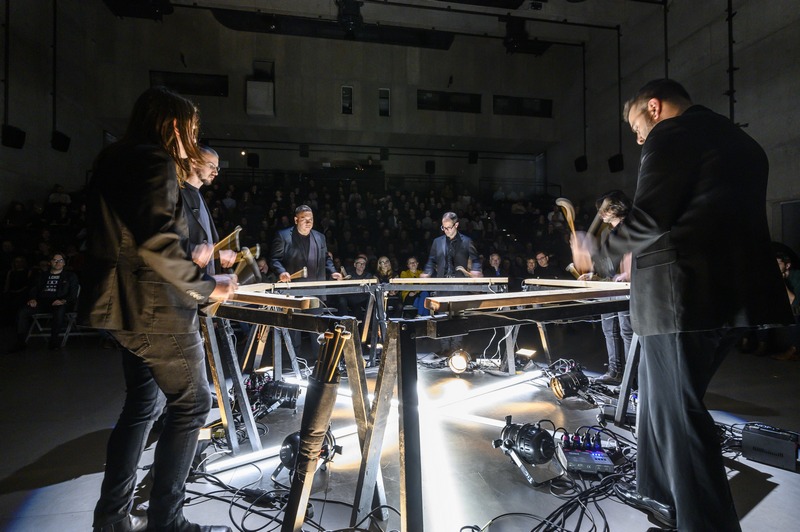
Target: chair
{"points": [[41, 324]]}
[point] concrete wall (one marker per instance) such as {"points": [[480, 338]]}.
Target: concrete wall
{"points": [[104, 63]]}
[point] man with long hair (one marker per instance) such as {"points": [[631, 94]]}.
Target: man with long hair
{"points": [[142, 287]]}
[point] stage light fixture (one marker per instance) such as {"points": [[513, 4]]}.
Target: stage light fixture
{"points": [[528, 445], [459, 361], [290, 449], [280, 392], [569, 384]]}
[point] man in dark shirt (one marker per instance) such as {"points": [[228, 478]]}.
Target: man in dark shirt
{"points": [[202, 231], [450, 251], [301, 246], [545, 270], [52, 291], [698, 174]]}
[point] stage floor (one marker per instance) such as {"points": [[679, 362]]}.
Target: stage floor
{"points": [[61, 405]]}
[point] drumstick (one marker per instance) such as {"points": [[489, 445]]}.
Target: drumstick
{"points": [[569, 213], [464, 271]]}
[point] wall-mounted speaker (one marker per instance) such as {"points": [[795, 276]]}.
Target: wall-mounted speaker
{"points": [[13, 137], [253, 160], [304, 150], [472, 158], [59, 141], [430, 167], [581, 164], [616, 163], [384, 154]]}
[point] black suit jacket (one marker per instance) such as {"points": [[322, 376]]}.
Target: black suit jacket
{"points": [[139, 275], [698, 231], [286, 257], [192, 203], [438, 256]]}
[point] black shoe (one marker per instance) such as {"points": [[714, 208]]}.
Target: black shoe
{"points": [[611, 377], [131, 523], [662, 513]]}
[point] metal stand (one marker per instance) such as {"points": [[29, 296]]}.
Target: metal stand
{"points": [[224, 365], [631, 367]]}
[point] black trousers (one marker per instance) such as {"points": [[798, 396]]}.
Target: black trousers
{"points": [[679, 461]]}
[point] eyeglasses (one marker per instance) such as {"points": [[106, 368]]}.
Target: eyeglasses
{"points": [[360, 263], [214, 167], [58, 260], [448, 227], [383, 262]]}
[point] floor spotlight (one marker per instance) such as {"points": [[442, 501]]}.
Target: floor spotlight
{"points": [[459, 361], [529, 445], [569, 384]]}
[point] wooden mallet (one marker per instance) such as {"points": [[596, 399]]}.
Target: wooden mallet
{"points": [[569, 213]]}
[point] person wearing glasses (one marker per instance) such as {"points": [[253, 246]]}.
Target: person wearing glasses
{"points": [[53, 291], [451, 251], [451, 255], [198, 216]]}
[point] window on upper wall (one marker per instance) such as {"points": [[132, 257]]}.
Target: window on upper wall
{"points": [[384, 102], [347, 100]]}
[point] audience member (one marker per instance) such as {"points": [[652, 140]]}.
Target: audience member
{"points": [[52, 293]]}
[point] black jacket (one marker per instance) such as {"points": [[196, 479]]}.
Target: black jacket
{"points": [[698, 231], [139, 276], [286, 257], [464, 252]]}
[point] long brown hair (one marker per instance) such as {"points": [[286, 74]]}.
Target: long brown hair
{"points": [[157, 113]]}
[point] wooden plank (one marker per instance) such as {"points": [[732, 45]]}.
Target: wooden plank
{"points": [[574, 283], [513, 299], [448, 280], [274, 300], [270, 287]]}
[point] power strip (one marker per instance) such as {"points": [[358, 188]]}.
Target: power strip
{"points": [[592, 461]]}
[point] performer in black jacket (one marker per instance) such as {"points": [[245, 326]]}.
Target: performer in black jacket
{"points": [[702, 271], [202, 229], [142, 286], [301, 246], [451, 250]]}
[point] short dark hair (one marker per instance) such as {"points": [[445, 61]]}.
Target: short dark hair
{"points": [[783, 257], [664, 89], [302, 208], [616, 202]]}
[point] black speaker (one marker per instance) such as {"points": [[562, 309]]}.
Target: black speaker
{"points": [[581, 164], [384, 154], [59, 141], [13, 137], [616, 163], [304, 150], [472, 158], [253, 160], [430, 167]]}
